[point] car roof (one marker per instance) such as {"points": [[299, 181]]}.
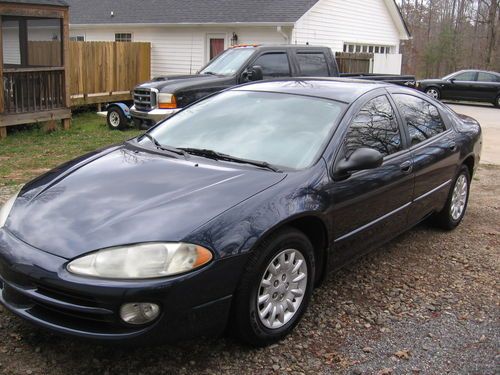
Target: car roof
{"points": [[340, 89], [476, 70]]}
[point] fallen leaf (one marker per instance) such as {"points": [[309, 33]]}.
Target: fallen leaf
{"points": [[403, 354]]}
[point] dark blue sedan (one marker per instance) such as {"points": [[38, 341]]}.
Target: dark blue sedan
{"points": [[229, 213]]}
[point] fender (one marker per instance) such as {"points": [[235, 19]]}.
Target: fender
{"points": [[123, 107]]}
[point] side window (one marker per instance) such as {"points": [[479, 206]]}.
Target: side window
{"points": [[274, 65], [421, 117], [312, 64], [375, 126], [466, 76], [487, 77]]}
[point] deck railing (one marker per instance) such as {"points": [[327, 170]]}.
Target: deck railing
{"points": [[33, 89]]}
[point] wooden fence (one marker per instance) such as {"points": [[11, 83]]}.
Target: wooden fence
{"points": [[99, 71], [354, 62]]}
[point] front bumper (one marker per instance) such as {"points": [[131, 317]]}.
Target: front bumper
{"points": [[36, 286], [154, 115]]}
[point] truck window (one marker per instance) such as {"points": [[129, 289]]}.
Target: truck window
{"points": [[274, 65], [312, 64]]}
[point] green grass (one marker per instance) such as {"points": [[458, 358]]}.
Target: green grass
{"points": [[29, 152]]}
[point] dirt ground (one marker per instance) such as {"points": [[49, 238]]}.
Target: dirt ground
{"points": [[426, 303]]}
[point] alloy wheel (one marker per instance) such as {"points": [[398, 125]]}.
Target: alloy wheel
{"points": [[459, 197], [432, 93], [282, 289]]}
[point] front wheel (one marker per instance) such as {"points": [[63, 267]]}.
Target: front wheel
{"points": [[275, 289], [497, 102], [456, 204], [433, 93]]}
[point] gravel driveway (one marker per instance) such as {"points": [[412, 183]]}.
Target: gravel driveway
{"points": [[426, 303]]}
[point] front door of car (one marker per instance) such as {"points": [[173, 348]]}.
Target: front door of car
{"points": [[460, 86], [434, 150], [274, 64], [371, 206]]}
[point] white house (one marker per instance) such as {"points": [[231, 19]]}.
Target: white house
{"points": [[186, 34]]}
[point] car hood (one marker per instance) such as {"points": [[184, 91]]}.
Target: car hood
{"points": [[173, 84], [128, 195]]}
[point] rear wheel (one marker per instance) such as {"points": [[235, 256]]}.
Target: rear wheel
{"points": [[275, 289], [456, 204], [497, 102], [116, 119], [433, 92]]}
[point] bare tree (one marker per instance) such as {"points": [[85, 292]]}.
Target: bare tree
{"points": [[451, 34]]}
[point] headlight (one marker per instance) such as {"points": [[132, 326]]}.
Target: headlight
{"points": [[5, 210], [143, 261], [167, 101]]}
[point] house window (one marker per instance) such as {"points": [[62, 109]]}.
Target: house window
{"points": [[123, 37], [77, 38], [367, 48]]}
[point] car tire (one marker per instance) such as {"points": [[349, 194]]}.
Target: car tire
{"points": [[116, 120], [433, 92], [456, 203], [253, 321], [497, 102]]}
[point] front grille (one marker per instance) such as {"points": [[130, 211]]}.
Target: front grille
{"points": [[144, 99]]}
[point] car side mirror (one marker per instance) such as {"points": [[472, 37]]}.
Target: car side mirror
{"points": [[255, 73], [452, 80], [361, 159]]}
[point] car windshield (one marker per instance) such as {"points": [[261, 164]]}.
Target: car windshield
{"points": [[283, 130], [228, 62]]}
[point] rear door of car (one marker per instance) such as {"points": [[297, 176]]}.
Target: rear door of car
{"points": [[314, 62], [370, 206], [487, 86], [433, 148]]}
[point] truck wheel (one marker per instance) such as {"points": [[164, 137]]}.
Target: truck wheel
{"points": [[433, 93], [116, 119]]}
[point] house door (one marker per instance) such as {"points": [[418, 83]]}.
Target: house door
{"points": [[216, 46]]}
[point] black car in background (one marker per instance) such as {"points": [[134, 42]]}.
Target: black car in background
{"points": [[472, 85], [249, 196]]}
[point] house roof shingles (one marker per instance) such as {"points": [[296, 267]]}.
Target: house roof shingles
{"points": [[187, 11]]}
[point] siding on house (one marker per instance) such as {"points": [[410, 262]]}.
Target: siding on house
{"points": [[180, 49], [332, 23]]}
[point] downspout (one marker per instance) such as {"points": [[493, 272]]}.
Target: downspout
{"points": [[279, 29]]}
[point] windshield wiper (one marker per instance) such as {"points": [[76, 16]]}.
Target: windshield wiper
{"points": [[211, 154], [162, 147], [210, 73]]}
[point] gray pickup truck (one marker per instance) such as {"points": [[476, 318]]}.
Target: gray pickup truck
{"points": [[163, 96]]}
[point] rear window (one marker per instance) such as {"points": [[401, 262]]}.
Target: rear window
{"points": [[421, 117], [312, 64], [487, 77]]}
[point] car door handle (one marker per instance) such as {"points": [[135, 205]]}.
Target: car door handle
{"points": [[453, 146], [406, 166]]}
